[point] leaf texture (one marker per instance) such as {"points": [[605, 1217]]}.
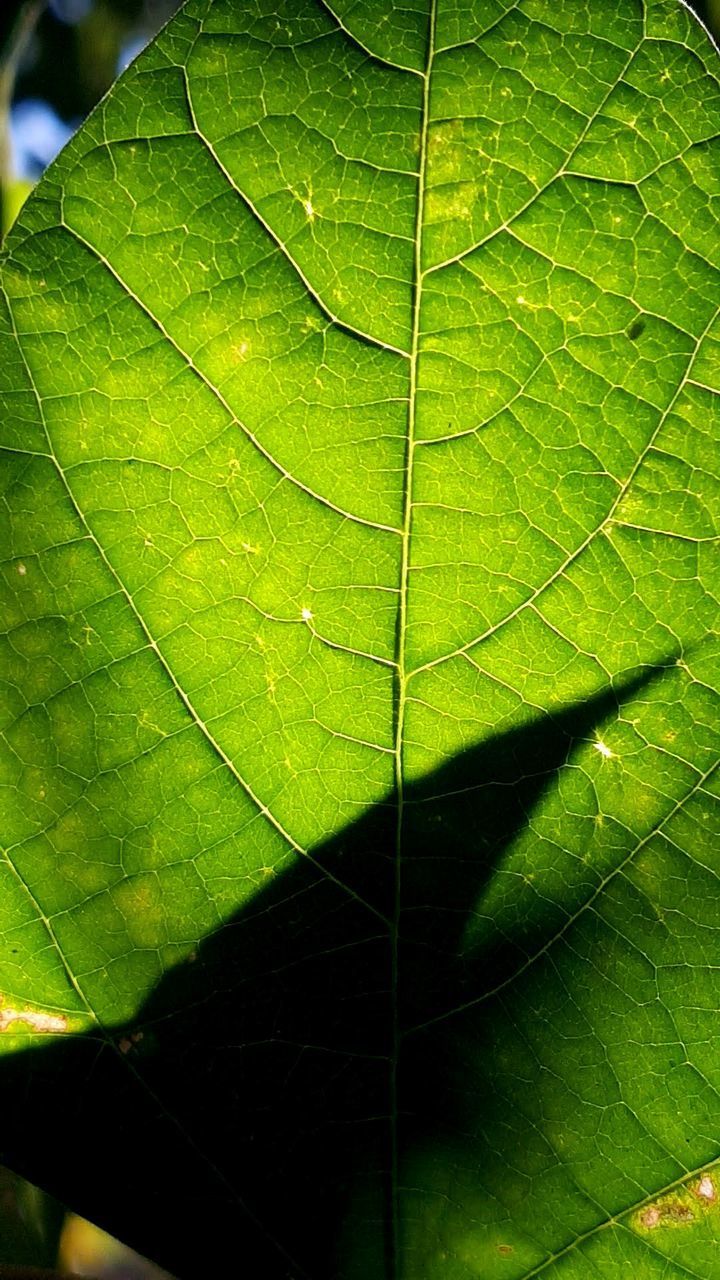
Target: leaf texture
{"points": [[359, 369]]}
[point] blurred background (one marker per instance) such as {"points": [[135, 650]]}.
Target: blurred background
{"points": [[57, 59]]}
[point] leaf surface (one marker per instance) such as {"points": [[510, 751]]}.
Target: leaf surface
{"points": [[359, 899]]}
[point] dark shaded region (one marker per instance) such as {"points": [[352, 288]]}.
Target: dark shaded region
{"points": [[248, 1112]]}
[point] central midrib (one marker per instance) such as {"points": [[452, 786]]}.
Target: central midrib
{"points": [[401, 635]]}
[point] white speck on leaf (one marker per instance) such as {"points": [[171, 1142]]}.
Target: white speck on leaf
{"points": [[604, 750], [22, 570], [307, 615]]}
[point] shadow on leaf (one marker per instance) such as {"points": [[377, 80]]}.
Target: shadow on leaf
{"points": [[245, 1119]]}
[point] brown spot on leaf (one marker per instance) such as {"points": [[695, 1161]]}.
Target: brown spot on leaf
{"points": [[676, 1211], [665, 1213], [128, 1042]]}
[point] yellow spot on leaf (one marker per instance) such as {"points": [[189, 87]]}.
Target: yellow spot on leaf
{"points": [[679, 1208]]}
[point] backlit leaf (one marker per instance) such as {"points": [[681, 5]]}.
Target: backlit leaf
{"points": [[359, 894]]}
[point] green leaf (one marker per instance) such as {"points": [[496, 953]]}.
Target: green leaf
{"points": [[359, 898]]}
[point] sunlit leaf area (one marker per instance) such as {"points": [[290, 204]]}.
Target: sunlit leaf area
{"points": [[359, 370]]}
